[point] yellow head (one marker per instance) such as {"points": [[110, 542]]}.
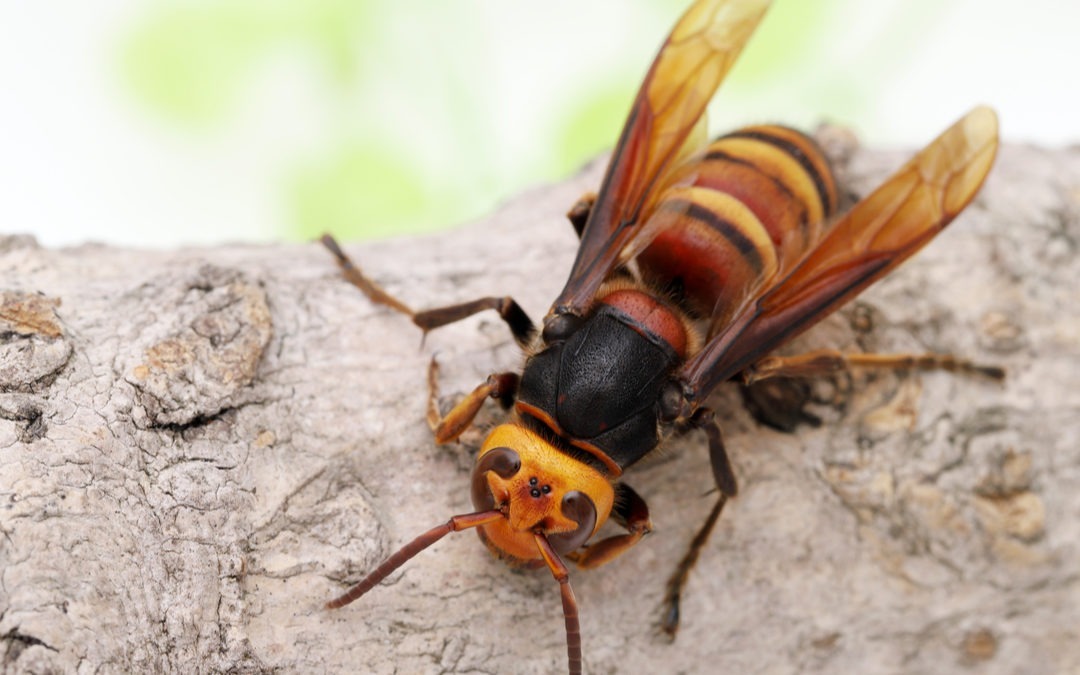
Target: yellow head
{"points": [[539, 489]]}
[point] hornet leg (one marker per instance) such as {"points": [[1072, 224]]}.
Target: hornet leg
{"points": [[578, 214], [502, 386], [632, 513], [521, 326], [775, 389], [354, 276], [670, 620], [828, 361], [725, 482]]}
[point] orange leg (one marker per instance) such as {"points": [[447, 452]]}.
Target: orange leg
{"points": [[502, 386], [827, 361], [632, 513]]}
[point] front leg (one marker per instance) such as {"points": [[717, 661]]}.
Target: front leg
{"points": [[521, 326], [632, 513], [502, 386], [354, 276]]}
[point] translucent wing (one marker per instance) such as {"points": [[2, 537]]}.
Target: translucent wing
{"points": [[690, 66], [876, 235]]}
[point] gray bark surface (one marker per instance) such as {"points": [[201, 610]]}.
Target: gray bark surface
{"points": [[198, 448]]}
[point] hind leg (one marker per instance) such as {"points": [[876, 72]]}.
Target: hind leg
{"points": [[828, 361]]}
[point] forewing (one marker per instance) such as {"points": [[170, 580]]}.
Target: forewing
{"points": [[690, 66], [876, 235]]}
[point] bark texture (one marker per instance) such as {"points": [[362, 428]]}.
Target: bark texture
{"points": [[198, 448]]}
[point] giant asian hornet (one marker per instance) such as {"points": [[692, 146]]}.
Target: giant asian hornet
{"points": [[696, 261]]}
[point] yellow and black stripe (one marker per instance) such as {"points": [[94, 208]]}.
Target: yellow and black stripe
{"points": [[747, 209]]}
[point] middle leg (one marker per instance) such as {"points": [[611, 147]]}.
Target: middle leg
{"points": [[669, 622], [724, 476]]}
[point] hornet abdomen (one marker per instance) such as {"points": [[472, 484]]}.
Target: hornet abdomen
{"points": [[746, 210]]}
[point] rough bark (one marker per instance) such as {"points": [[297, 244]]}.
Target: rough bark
{"points": [[198, 448]]}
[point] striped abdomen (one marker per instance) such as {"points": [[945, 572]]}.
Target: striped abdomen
{"points": [[743, 212]]}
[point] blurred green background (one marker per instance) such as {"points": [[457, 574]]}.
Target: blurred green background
{"points": [[171, 122]]}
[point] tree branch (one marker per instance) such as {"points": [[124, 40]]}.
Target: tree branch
{"points": [[199, 448]]}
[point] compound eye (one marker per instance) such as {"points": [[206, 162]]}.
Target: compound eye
{"points": [[579, 508], [505, 462], [560, 327]]}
